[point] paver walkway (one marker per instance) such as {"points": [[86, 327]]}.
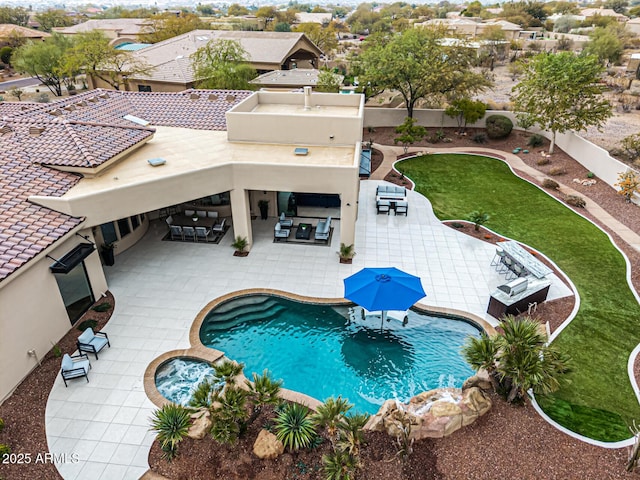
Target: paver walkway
{"points": [[159, 288], [391, 153]]}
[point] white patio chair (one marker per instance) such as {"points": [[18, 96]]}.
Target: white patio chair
{"points": [[176, 232], [189, 213], [75, 366], [189, 232], [202, 233], [219, 227], [212, 214], [202, 213]]}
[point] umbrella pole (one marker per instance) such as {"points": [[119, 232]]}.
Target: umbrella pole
{"points": [[382, 322]]}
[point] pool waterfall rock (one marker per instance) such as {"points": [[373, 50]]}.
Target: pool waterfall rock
{"points": [[267, 446], [200, 424], [433, 414]]}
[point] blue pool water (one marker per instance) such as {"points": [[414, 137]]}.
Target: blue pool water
{"points": [[317, 351]]}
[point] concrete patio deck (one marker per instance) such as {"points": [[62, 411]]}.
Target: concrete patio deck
{"points": [[160, 287]]}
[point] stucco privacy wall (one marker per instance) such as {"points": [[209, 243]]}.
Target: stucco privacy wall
{"points": [[594, 158], [32, 313]]}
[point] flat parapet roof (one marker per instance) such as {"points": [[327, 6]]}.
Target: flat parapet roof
{"points": [[186, 151], [318, 110]]}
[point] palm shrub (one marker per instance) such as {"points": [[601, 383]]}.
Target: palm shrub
{"points": [[204, 394], [171, 423], [263, 391], [522, 359], [351, 435], [329, 414], [535, 140], [339, 465], [227, 371], [229, 416], [294, 427], [478, 218]]}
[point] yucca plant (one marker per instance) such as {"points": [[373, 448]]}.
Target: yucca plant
{"points": [[227, 371], [294, 427], [350, 433], [329, 414], [339, 466], [263, 391], [171, 423]]}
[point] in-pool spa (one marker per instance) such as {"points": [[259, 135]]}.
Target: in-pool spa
{"points": [[176, 379], [318, 350]]}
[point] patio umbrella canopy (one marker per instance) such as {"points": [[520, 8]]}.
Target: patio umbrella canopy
{"points": [[383, 289]]}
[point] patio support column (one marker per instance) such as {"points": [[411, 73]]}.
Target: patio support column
{"points": [[241, 214], [348, 216]]}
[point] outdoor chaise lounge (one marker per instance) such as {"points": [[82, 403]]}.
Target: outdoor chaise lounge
{"points": [[92, 342], [280, 232], [323, 229], [74, 367]]}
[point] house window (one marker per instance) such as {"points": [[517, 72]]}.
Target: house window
{"points": [[123, 226], [109, 232], [135, 222], [144, 88]]}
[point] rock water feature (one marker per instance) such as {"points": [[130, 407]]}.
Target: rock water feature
{"points": [[436, 413]]}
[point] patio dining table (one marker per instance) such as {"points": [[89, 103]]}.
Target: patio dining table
{"points": [[187, 221], [530, 263]]}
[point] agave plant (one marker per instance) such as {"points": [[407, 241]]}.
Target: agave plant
{"points": [[294, 427], [264, 391], [227, 371], [171, 423], [339, 466], [350, 435], [329, 414]]}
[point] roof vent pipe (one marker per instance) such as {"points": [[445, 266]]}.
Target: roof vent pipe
{"points": [[307, 98]]}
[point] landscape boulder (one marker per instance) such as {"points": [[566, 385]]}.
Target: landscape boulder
{"points": [[267, 446]]}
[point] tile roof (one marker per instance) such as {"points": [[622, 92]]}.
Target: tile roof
{"points": [[85, 130], [9, 29], [123, 26]]}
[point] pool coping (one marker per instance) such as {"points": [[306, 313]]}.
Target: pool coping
{"points": [[199, 351]]}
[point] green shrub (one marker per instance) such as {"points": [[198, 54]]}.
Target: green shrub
{"points": [[457, 225], [339, 466], [171, 423], [4, 449], [552, 184], [575, 200], [43, 98], [5, 54], [535, 140], [57, 351], [591, 175], [543, 161], [480, 138], [498, 126], [478, 218], [103, 307], [87, 324], [294, 427], [1, 424]]}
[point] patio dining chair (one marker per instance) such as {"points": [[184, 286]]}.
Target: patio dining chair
{"points": [[75, 366], [219, 227], [401, 207], [189, 213], [169, 220], [202, 213], [383, 206], [189, 233], [212, 214], [497, 258], [202, 233], [176, 232]]}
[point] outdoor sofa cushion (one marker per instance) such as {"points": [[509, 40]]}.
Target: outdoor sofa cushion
{"points": [[391, 191], [322, 229]]}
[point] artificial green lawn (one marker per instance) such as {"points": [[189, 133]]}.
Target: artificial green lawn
{"points": [[598, 400]]}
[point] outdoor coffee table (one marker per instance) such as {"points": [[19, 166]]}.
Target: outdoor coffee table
{"points": [[303, 232]]}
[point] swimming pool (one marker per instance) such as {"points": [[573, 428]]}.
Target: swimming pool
{"points": [[316, 350]]}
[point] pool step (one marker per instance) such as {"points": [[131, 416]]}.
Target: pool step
{"points": [[244, 313], [249, 304]]}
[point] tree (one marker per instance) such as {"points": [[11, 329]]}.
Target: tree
{"points": [[419, 64], [409, 133], [282, 27], [17, 92], [466, 111], [167, 25], [93, 54], [5, 55], [53, 18], [566, 8], [618, 6], [268, 14], [496, 43], [628, 183], [222, 64], [324, 38], [45, 60], [561, 92], [15, 16], [605, 44], [328, 82], [522, 360], [236, 10]]}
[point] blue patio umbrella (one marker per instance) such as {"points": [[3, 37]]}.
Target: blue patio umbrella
{"points": [[383, 289]]}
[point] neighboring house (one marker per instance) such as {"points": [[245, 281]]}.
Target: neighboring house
{"points": [[74, 175], [9, 30], [127, 29], [290, 79], [172, 66], [321, 18], [633, 26], [471, 28], [603, 12]]}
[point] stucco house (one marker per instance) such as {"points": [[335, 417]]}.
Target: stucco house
{"points": [[78, 173], [172, 68]]}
